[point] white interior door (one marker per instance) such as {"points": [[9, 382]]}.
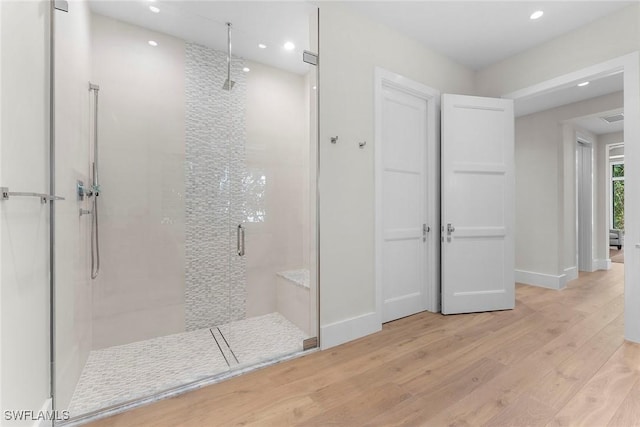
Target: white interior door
{"points": [[477, 204], [403, 171]]}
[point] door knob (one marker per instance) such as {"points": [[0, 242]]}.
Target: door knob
{"points": [[450, 229]]}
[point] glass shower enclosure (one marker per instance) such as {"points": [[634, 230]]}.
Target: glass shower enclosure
{"points": [[187, 154]]}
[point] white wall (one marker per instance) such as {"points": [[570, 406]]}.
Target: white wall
{"points": [[545, 190], [350, 48], [24, 272], [73, 285], [139, 293], [538, 194]]}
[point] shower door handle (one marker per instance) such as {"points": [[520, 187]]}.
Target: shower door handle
{"points": [[240, 239]]}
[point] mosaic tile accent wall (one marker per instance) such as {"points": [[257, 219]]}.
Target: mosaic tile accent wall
{"points": [[215, 168]]}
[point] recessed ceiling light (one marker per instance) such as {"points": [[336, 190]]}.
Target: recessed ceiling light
{"points": [[153, 43], [314, 88], [246, 69], [262, 45], [583, 84], [537, 14], [289, 46], [154, 9]]}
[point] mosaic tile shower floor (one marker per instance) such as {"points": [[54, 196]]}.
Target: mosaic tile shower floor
{"points": [[123, 373]]}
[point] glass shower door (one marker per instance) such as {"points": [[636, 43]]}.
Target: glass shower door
{"points": [[273, 293]]}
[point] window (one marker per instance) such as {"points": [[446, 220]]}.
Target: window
{"points": [[617, 195]]}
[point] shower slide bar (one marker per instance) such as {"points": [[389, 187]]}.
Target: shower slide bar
{"points": [[44, 198]]}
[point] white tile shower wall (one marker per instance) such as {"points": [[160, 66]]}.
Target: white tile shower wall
{"points": [[215, 203], [139, 293], [73, 285], [293, 297]]}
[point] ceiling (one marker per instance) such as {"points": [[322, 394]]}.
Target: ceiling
{"points": [[474, 33], [596, 125], [480, 33], [568, 95], [269, 22]]}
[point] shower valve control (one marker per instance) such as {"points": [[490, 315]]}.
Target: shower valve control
{"points": [[82, 192], [86, 191]]}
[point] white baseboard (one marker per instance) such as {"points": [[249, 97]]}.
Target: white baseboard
{"points": [[349, 329], [602, 264], [540, 279], [570, 274]]}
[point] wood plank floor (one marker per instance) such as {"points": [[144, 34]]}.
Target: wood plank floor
{"points": [[558, 359]]}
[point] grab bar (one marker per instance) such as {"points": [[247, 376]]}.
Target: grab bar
{"points": [[44, 198], [240, 240]]}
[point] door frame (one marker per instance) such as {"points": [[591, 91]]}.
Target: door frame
{"points": [[585, 245], [382, 79], [609, 193], [630, 65]]}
